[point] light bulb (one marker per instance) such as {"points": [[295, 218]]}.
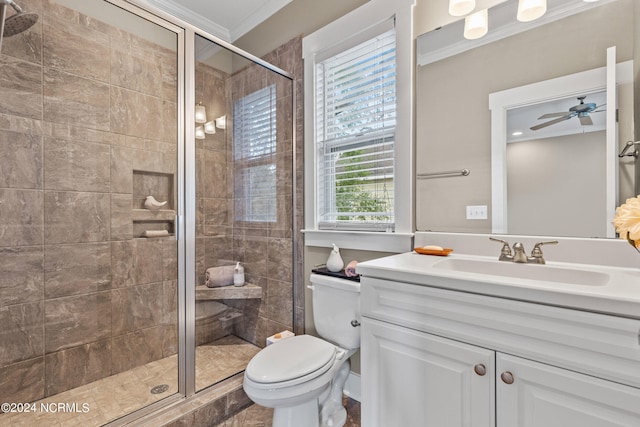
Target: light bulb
{"points": [[529, 10], [476, 25], [461, 7]]}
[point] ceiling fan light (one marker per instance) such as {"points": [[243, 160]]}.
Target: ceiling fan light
{"points": [[476, 25], [461, 7], [529, 10]]}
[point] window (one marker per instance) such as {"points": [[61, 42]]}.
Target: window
{"points": [[355, 136], [254, 153]]}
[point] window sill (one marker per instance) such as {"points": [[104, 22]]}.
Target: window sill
{"points": [[360, 240]]}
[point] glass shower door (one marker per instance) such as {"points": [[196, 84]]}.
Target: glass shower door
{"points": [[89, 107]]}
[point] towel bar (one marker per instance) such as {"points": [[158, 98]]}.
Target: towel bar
{"points": [[463, 172]]}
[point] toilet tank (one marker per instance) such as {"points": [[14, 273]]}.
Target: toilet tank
{"points": [[336, 303]]}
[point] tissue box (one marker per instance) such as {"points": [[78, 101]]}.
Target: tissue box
{"points": [[279, 337]]}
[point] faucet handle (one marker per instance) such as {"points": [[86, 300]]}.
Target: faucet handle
{"points": [[506, 249], [536, 252]]}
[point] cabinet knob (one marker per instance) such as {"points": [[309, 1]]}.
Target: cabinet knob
{"points": [[507, 377], [480, 369]]}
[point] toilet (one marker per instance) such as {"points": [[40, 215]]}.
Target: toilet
{"points": [[303, 377]]}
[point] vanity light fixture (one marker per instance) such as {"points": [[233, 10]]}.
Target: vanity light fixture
{"points": [[200, 132], [476, 25], [461, 7], [221, 122], [529, 10], [201, 113], [210, 127]]}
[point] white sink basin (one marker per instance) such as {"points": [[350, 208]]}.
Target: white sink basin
{"points": [[544, 273]]}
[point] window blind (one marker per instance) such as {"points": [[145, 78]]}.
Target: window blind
{"points": [[254, 150], [355, 134]]}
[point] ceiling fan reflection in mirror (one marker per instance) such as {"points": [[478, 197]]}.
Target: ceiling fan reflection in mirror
{"points": [[582, 111]]}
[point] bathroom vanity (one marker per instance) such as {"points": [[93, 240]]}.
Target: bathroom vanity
{"points": [[467, 340]]}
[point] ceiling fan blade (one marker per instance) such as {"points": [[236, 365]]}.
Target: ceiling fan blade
{"points": [[551, 122], [585, 120], [549, 115]]}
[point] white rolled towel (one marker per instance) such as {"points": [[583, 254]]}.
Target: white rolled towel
{"points": [[155, 233], [219, 276]]}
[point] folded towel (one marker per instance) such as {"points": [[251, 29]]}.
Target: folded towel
{"points": [[350, 269], [219, 276]]}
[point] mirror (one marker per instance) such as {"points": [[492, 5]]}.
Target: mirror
{"points": [[453, 133]]}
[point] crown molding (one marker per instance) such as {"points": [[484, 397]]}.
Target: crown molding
{"points": [[192, 18]]}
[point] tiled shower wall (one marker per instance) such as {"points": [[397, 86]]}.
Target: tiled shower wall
{"points": [[82, 106], [265, 249]]}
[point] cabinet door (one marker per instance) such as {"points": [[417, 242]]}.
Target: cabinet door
{"points": [[546, 396], [414, 379]]}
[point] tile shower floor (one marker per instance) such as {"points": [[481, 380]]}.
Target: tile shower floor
{"points": [[112, 397]]}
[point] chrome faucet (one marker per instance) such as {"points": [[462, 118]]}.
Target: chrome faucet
{"points": [[519, 255]]}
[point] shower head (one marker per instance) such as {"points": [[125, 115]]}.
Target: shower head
{"points": [[14, 24], [19, 22]]}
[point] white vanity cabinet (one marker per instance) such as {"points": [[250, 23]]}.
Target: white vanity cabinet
{"points": [[435, 357]]}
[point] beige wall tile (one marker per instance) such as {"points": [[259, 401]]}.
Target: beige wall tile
{"points": [[76, 49], [121, 223], [22, 217], [76, 320], [77, 269], [20, 160], [22, 278], [135, 72], [22, 381], [62, 371], [74, 100], [137, 348], [133, 113], [21, 332], [76, 166], [76, 217], [137, 307], [22, 92]]}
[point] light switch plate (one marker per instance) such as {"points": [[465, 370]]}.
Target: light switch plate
{"points": [[477, 212]]}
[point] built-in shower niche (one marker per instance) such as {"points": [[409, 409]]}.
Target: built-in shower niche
{"points": [[162, 187]]}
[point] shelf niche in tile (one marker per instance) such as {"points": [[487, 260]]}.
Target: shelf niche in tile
{"points": [[161, 187]]}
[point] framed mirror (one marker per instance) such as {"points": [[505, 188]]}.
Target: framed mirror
{"points": [[454, 79]]}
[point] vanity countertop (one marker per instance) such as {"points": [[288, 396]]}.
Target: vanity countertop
{"points": [[611, 290]]}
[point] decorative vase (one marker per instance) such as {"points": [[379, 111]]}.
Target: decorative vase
{"points": [[335, 262]]}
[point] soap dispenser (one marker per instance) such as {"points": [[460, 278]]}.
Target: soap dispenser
{"points": [[335, 262], [238, 275]]}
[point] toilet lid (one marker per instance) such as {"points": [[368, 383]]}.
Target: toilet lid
{"points": [[291, 358]]}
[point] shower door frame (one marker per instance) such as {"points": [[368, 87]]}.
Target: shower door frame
{"points": [[185, 225]]}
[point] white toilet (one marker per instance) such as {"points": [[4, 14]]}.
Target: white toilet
{"points": [[303, 377]]}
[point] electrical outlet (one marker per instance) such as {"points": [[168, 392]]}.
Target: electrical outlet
{"points": [[477, 212]]}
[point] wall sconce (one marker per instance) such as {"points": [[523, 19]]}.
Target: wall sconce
{"points": [[461, 7], [528, 10], [201, 113], [210, 127], [221, 122], [199, 132], [476, 25]]}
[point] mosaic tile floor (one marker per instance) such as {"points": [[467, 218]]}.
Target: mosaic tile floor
{"points": [[107, 399]]}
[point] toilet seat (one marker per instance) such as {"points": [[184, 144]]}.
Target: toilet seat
{"points": [[291, 361]]}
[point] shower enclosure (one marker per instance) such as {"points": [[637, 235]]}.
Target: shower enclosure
{"points": [[103, 303]]}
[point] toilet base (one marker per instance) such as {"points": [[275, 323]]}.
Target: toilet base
{"points": [[325, 411], [305, 414]]}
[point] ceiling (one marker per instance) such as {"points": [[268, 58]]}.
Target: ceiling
{"points": [[226, 19]]}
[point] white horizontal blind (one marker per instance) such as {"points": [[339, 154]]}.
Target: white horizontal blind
{"points": [[356, 119], [254, 152]]}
